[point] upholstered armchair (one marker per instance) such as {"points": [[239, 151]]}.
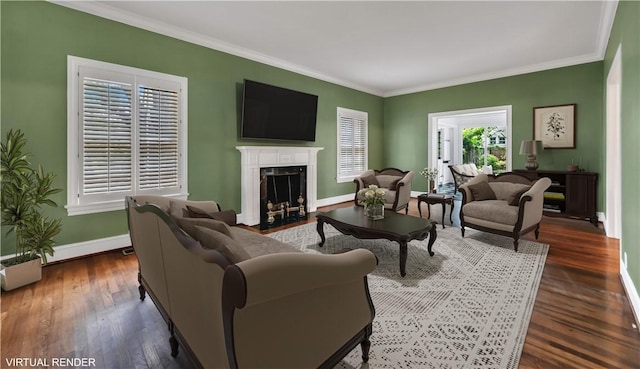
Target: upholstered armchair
{"points": [[397, 183], [508, 204], [462, 173]]}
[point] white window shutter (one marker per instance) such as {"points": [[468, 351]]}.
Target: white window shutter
{"points": [[106, 136], [158, 121], [352, 143]]}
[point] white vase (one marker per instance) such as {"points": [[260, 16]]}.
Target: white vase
{"points": [[375, 212]]}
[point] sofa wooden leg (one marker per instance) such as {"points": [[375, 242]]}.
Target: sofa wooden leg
{"points": [[141, 290], [173, 342], [537, 231], [366, 345], [515, 244], [462, 230]]}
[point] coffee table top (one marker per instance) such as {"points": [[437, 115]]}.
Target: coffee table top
{"points": [[393, 222]]}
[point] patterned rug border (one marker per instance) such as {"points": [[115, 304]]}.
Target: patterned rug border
{"points": [[482, 325]]}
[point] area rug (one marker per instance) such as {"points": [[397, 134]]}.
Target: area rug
{"points": [[468, 306]]}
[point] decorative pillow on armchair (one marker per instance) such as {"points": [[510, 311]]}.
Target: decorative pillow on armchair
{"points": [[482, 191], [369, 180]]}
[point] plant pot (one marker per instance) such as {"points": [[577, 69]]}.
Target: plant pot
{"points": [[19, 275], [375, 212]]}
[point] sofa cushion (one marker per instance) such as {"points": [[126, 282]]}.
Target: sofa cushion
{"points": [[507, 190], [227, 216], [388, 181], [189, 225], [369, 180], [482, 191], [496, 211], [215, 240]]}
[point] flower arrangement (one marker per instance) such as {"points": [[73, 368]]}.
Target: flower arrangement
{"points": [[429, 173], [372, 195]]}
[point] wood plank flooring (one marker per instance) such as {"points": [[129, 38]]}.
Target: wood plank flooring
{"points": [[89, 308]]}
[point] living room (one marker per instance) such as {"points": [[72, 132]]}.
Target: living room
{"points": [[37, 38]]}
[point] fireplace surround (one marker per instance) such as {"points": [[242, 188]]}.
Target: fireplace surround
{"points": [[255, 158]]}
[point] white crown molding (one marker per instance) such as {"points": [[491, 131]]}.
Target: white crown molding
{"points": [[499, 74], [108, 12]]}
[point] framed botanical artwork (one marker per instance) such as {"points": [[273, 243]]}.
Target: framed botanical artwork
{"points": [[555, 126]]}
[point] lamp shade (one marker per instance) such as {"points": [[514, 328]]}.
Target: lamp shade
{"points": [[530, 147]]}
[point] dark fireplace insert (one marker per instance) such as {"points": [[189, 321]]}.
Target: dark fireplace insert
{"points": [[283, 192]]}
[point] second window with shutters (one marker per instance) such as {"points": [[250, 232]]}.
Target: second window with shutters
{"points": [[127, 135], [352, 144]]}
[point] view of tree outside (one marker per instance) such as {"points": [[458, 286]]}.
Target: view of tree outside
{"points": [[474, 141]]}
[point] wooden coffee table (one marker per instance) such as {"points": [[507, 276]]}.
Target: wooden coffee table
{"points": [[394, 227]]}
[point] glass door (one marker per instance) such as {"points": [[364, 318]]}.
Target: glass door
{"points": [[485, 146]]}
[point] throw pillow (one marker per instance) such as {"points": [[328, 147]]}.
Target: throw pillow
{"points": [[516, 197], [482, 191], [189, 225], [369, 180], [393, 186], [215, 240], [227, 216]]}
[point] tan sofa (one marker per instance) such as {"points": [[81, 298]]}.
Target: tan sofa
{"points": [[512, 205], [396, 181], [236, 299]]}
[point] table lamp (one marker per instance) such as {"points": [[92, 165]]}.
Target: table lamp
{"points": [[531, 148]]}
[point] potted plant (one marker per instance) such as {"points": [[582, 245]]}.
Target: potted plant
{"points": [[25, 190]]}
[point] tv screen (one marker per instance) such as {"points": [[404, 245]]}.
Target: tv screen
{"points": [[276, 113]]}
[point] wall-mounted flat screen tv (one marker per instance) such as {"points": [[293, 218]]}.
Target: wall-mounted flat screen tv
{"points": [[276, 113]]}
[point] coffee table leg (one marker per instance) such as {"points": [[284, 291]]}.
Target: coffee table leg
{"points": [[432, 238], [403, 257], [320, 229]]}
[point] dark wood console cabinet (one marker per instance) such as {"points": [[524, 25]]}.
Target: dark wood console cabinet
{"points": [[572, 194]]}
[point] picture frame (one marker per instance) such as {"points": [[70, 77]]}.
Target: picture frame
{"points": [[555, 126]]}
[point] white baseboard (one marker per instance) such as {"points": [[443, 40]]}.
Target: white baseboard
{"points": [[336, 199], [632, 292], [85, 248]]}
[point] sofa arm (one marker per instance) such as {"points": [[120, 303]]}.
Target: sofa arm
{"points": [[276, 276], [532, 209]]}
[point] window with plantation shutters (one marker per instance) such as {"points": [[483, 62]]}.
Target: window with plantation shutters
{"points": [[352, 144], [127, 135]]}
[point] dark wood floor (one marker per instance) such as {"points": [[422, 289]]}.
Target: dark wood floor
{"points": [[89, 308]]}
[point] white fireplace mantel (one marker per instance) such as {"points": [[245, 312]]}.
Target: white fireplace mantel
{"points": [[255, 157]]}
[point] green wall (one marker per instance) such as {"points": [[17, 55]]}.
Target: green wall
{"points": [[626, 32], [36, 38], [405, 117]]}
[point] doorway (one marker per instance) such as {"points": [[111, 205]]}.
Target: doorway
{"points": [[481, 136]]}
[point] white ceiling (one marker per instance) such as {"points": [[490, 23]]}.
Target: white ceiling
{"points": [[383, 47]]}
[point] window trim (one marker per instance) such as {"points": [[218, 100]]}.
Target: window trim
{"points": [[356, 114], [74, 139]]}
